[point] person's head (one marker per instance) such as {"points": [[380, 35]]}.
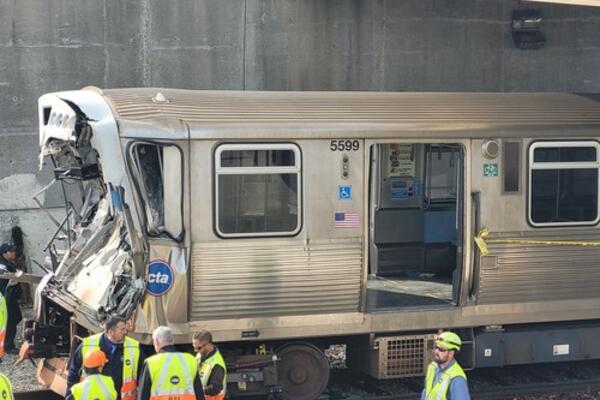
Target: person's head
{"points": [[94, 361], [8, 251], [161, 337], [447, 344], [116, 329], [202, 342]]}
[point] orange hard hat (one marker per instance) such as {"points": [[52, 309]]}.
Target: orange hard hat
{"points": [[95, 359]]}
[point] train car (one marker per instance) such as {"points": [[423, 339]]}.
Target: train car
{"points": [[285, 222]]}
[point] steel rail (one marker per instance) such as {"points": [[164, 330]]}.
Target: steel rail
{"points": [[530, 389], [540, 388], [492, 393]]}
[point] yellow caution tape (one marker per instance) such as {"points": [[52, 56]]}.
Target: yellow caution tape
{"points": [[482, 242]]}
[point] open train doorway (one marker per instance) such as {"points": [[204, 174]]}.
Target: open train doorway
{"points": [[415, 225]]}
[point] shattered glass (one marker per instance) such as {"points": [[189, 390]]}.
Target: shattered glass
{"points": [[148, 159]]}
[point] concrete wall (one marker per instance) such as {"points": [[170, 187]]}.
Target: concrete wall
{"points": [[456, 45]]}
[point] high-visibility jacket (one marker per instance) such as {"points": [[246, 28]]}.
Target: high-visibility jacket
{"points": [[439, 389], [3, 319], [206, 367], [172, 375], [96, 387], [6, 392], [131, 359]]}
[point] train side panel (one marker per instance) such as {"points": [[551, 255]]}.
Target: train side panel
{"points": [[317, 270]]}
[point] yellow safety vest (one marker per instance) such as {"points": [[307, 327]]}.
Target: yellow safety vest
{"points": [[172, 375], [438, 390], [206, 367], [3, 319], [6, 392], [96, 387], [131, 359]]}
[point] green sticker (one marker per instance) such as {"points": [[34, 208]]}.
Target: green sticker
{"points": [[490, 169]]}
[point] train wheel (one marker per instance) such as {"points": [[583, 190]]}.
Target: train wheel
{"points": [[302, 371]]}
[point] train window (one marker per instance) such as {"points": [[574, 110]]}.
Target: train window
{"points": [[442, 168], [563, 179], [257, 190], [257, 158], [158, 170], [511, 170]]}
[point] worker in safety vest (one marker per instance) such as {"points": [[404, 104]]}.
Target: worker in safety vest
{"points": [[95, 386], [12, 292], [445, 379], [169, 374], [213, 371], [3, 320], [6, 392], [123, 354]]}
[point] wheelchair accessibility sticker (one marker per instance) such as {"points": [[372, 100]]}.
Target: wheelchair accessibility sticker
{"points": [[345, 192], [160, 278]]}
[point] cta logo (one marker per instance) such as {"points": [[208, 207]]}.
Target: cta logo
{"points": [[160, 278]]}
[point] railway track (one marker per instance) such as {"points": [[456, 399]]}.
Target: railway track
{"points": [[535, 389], [486, 384], [588, 385], [591, 385], [517, 382]]}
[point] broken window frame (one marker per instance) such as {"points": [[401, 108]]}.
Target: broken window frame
{"points": [[139, 185]]}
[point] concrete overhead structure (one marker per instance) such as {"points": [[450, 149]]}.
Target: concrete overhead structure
{"points": [[408, 45]]}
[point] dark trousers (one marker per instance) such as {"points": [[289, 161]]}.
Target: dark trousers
{"points": [[14, 315]]}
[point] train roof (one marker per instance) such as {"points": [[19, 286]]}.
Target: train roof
{"points": [[270, 114]]}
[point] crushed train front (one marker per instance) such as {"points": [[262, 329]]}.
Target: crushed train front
{"points": [[96, 257]]}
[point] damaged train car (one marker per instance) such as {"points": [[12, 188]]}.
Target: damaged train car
{"points": [[285, 222]]}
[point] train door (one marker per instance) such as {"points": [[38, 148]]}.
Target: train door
{"points": [[415, 225]]}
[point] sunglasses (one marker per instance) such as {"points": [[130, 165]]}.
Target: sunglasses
{"points": [[441, 349]]}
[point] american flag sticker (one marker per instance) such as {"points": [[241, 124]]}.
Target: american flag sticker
{"points": [[347, 220]]}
